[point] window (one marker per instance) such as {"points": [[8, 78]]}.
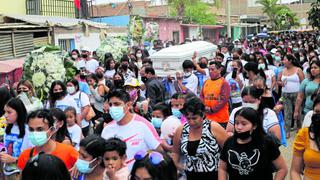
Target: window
{"points": [[66, 44]]}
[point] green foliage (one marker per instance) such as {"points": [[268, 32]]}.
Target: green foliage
{"points": [[281, 17], [199, 13], [314, 14], [193, 11]]}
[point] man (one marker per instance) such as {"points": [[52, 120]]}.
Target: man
{"points": [[187, 81], [87, 62], [155, 90], [137, 132], [215, 95]]}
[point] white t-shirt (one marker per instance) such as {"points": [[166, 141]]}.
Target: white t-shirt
{"points": [[269, 118], [90, 65], [75, 134], [139, 134], [64, 103], [191, 83], [80, 104], [169, 126], [109, 74], [269, 75]]}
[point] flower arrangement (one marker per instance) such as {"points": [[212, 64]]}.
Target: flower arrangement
{"points": [[117, 46], [152, 31], [45, 65], [136, 29], [3, 125]]}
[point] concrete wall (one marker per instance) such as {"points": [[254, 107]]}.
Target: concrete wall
{"points": [[13, 7], [80, 40]]}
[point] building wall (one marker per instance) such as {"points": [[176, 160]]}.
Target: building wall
{"points": [[64, 8], [13, 7], [80, 40], [119, 9]]}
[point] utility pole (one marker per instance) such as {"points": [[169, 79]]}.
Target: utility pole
{"points": [[229, 18]]}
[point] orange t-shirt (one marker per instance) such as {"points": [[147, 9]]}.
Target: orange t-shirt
{"points": [[65, 152], [311, 156]]}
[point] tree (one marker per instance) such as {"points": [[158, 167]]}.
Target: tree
{"points": [[314, 14], [280, 16], [199, 13], [193, 11]]}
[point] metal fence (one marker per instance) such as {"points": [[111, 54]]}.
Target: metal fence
{"points": [[62, 8]]}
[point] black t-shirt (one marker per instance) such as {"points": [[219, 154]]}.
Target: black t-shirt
{"points": [[249, 161]]}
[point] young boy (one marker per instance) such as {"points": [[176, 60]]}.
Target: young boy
{"points": [[114, 160]]}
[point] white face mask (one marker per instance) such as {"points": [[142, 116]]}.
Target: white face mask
{"points": [[251, 105], [71, 89], [74, 56], [139, 55]]}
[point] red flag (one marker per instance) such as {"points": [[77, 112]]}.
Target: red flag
{"points": [[77, 3]]}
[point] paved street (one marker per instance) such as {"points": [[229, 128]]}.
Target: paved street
{"points": [[287, 152]]}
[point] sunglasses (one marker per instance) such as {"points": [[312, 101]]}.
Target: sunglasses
{"points": [[154, 157]]}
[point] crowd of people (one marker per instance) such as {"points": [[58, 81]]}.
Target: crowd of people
{"points": [[220, 118]]}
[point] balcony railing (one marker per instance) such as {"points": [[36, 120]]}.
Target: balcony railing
{"points": [[63, 8]]}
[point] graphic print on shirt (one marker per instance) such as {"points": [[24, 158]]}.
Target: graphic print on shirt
{"points": [[243, 163], [13, 144]]}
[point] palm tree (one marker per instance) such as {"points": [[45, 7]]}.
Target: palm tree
{"points": [[270, 8]]}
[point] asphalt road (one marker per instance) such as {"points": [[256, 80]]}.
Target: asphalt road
{"points": [[287, 152]]}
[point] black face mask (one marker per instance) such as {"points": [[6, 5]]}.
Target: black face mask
{"points": [[58, 95], [243, 135], [144, 79], [203, 65], [124, 66], [315, 119], [85, 56], [118, 83], [82, 76]]}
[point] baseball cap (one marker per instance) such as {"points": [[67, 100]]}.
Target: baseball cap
{"points": [[132, 82]]}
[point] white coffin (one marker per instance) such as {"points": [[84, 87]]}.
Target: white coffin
{"points": [[169, 60]]}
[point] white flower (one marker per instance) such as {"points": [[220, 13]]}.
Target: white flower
{"points": [[38, 79]]}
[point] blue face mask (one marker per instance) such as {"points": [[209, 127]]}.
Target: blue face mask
{"points": [[84, 166], [176, 112], [261, 66], [277, 58], [156, 122], [116, 112], [38, 138]]}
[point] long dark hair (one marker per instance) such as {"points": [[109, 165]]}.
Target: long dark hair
{"points": [[5, 97], [315, 125], [19, 107], [293, 61], [63, 132], [252, 116], [52, 100]]}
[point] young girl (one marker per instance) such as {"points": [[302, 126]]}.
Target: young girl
{"points": [[176, 102], [114, 160], [61, 135], [165, 124], [249, 153], [15, 137], [73, 128]]}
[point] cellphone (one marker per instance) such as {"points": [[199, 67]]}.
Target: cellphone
{"points": [[234, 73]]}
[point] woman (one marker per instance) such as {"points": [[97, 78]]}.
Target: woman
{"points": [[290, 79], [306, 148], [26, 94], [5, 97], [267, 96], [249, 154], [75, 55], [15, 137], [153, 165], [97, 96], [270, 61], [45, 166], [58, 97], [307, 88], [83, 104], [251, 97], [140, 56], [118, 80], [41, 129], [62, 135], [110, 68], [251, 72], [199, 141], [90, 163], [270, 75]]}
